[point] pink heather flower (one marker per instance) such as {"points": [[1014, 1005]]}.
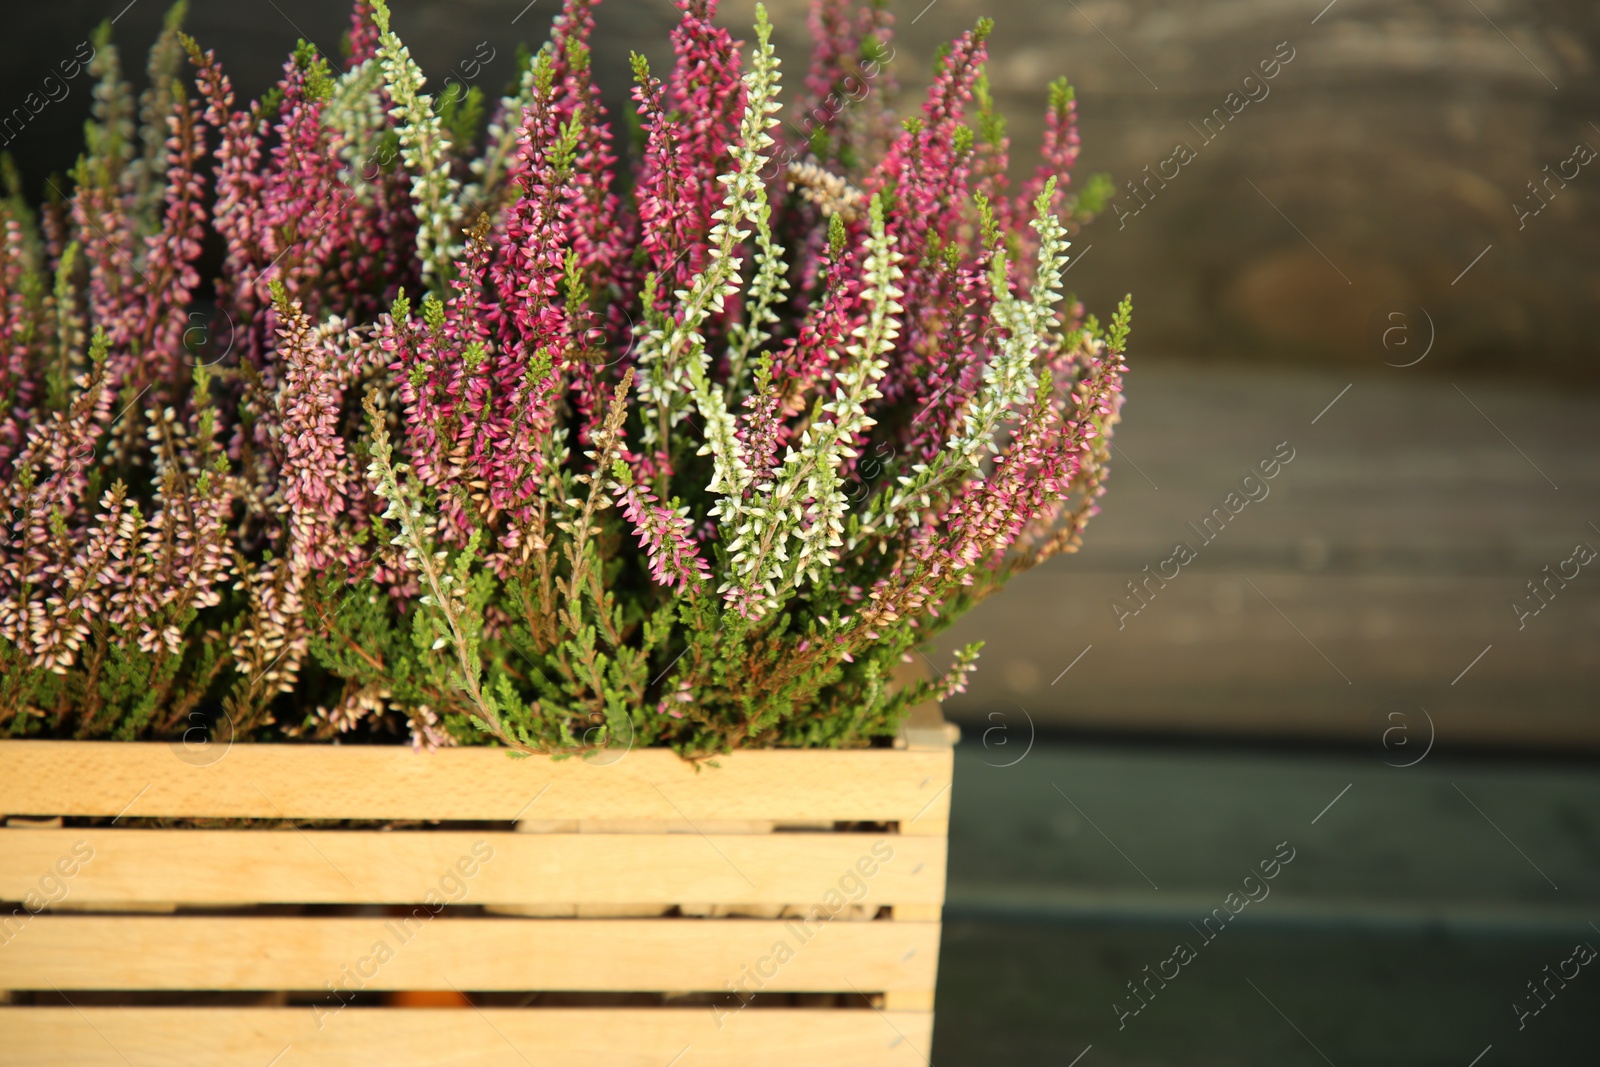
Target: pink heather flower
{"points": [[16, 383], [305, 218], [1060, 150], [706, 91], [83, 587], [427, 733], [528, 274], [953, 381], [990, 169], [955, 680], [662, 180], [930, 173], [985, 520], [835, 43], [600, 234], [182, 561], [315, 477], [273, 644], [682, 693], [808, 358], [105, 235], [849, 81], [761, 432], [237, 213], [664, 535], [363, 32], [45, 579], [170, 277]]}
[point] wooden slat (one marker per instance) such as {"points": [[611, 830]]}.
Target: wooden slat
{"points": [[392, 782], [493, 1037], [908, 1000], [221, 953], [332, 867]]}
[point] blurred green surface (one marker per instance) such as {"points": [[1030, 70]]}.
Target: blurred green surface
{"points": [[1402, 932]]}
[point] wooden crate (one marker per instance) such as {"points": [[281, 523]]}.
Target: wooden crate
{"points": [[592, 912]]}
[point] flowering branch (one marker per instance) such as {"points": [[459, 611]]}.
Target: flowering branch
{"points": [[424, 145]]}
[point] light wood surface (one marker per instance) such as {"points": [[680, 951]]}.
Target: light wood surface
{"points": [[336, 867], [501, 953], [392, 782], [491, 1037], [908, 1000]]}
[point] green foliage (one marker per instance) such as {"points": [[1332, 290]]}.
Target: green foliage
{"points": [[1121, 322], [1092, 200], [462, 115], [319, 79]]}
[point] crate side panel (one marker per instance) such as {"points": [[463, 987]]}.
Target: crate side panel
{"points": [[493, 1037], [501, 953], [94, 778], [239, 867]]}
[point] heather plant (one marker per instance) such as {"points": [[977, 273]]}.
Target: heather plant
{"points": [[474, 432]]}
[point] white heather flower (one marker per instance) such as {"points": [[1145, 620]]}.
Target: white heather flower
{"points": [[672, 359], [422, 148], [355, 112], [1009, 381], [759, 549]]}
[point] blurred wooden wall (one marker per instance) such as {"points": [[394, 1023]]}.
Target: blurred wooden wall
{"points": [[1381, 572], [1396, 140]]}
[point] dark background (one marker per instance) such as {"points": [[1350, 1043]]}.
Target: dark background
{"points": [[1340, 271], [1396, 140]]}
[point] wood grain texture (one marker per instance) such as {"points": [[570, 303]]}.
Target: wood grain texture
{"points": [[492, 1037], [335, 867], [392, 782], [501, 953]]}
